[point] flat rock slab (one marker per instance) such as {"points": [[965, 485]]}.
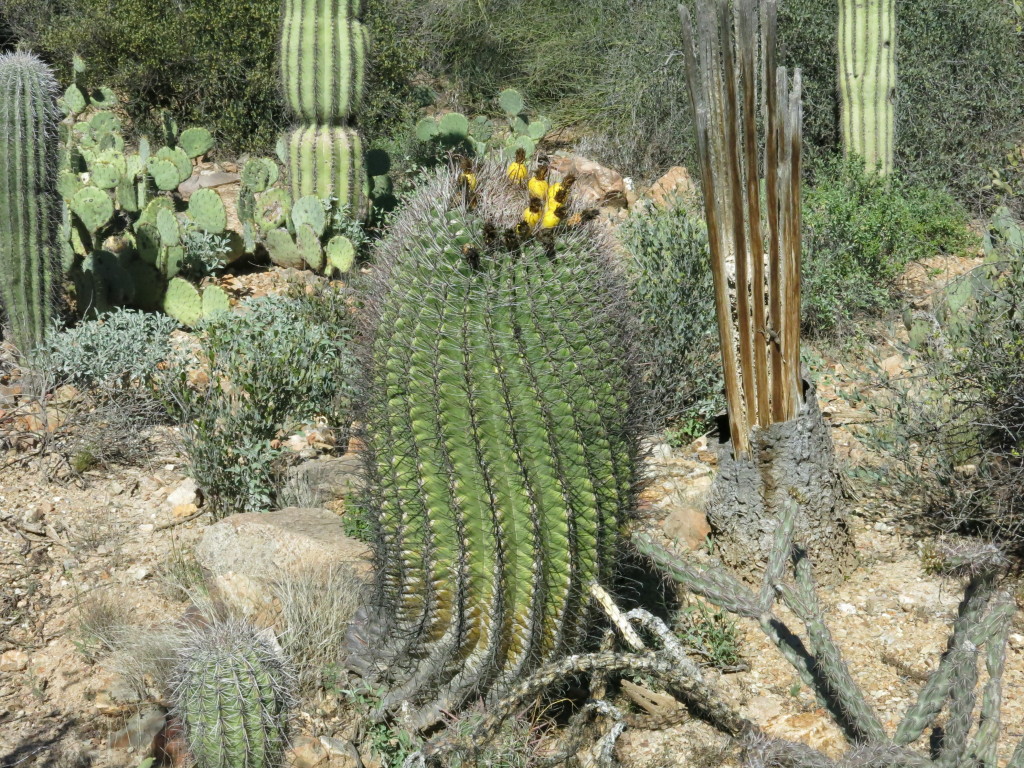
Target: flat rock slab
{"points": [[245, 556]]}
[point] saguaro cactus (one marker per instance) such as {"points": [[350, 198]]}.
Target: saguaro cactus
{"points": [[323, 63], [501, 445], [28, 196], [867, 80]]}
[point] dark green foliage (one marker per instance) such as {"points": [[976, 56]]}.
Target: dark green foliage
{"points": [[28, 197], [232, 694], [501, 443], [860, 233], [208, 62], [280, 363], [670, 279]]}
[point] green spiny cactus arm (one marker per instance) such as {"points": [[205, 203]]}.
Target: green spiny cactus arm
{"points": [[934, 693], [962, 698], [327, 161], [867, 80], [28, 198], [1017, 758], [853, 712], [984, 747], [323, 59]]}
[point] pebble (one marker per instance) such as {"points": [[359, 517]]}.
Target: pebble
{"points": [[1017, 641], [847, 608], [14, 660], [147, 527], [140, 573]]}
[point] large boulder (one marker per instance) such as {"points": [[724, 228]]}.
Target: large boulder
{"points": [[596, 185], [673, 188], [245, 557]]}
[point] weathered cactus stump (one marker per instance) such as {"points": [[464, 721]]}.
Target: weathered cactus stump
{"points": [[789, 459]]}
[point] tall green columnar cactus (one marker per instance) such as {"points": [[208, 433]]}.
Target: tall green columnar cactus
{"points": [[501, 446], [323, 64], [867, 80], [232, 691], [28, 197]]}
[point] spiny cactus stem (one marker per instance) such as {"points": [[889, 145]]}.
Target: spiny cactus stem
{"points": [[966, 630], [984, 746], [782, 546], [961, 706], [852, 711]]}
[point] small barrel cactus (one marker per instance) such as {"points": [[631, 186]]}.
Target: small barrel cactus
{"points": [[501, 443], [29, 213], [232, 692]]}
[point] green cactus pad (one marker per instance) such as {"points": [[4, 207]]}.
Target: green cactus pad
{"points": [[454, 126], [144, 150], [511, 101], [182, 163], [536, 130], [153, 208], [183, 302], [282, 249], [307, 241], [195, 142], [104, 122], [169, 228], [427, 129], [920, 332], [520, 126], [107, 169], [378, 162], [93, 207], [258, 174], [170, 260], [147, 242], [246, 205], [207, 211], [75, 99], [323, 60], [127, 195], [525, 143], [341, 254], [481, 129], [68, 184], [149, 287], [215, 301], [309, 211], [958, 293], [165, 174], [134, 165], [272, 209], [103, 98]]}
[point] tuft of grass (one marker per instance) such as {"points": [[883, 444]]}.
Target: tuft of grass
{"points": [[710, 633]]}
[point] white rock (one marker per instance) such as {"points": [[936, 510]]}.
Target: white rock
{"points": [[187, 492], [1017, 641], [847, 608]]}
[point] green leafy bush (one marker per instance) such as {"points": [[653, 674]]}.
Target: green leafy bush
{"points": [[281, 363], [117, 349], [860, 233], [674, 293], [208, 62], [958, 428]]}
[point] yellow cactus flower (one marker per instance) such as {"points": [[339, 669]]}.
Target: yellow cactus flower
{"points": [[517, 172]]}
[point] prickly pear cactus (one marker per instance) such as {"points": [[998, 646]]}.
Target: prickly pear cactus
{"points": [[867, 80], [501, 434], [29, 209], [232, 692]]}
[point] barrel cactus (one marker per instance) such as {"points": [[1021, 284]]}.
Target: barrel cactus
{"points": [[867, 80], [29, 212], [323, 48], [501, 443], [232, 692]]}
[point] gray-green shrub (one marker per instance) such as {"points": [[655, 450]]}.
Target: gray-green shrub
{"points": [[672, 288], [282, 362]]}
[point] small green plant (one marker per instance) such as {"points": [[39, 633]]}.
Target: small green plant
{"points": [[711, 634], [671, 284], [205, 252], [861, 231], [389, 745], [279, 363]]}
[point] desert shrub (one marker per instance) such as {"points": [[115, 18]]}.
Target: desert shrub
{"points": [[282, 362], [116, 349], [860, 233], [958, 426], [672, 288], [208, 62]]}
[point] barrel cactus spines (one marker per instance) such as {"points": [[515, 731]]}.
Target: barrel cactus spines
{"points": [[232, 693], [323, 59], [867, 80], [327, 161], [29, 203], [501, 444]]}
